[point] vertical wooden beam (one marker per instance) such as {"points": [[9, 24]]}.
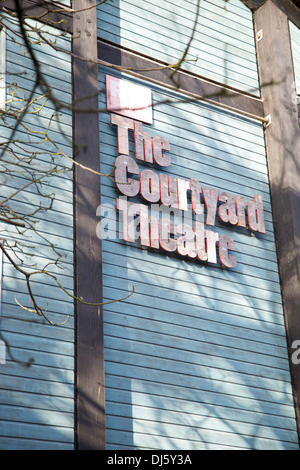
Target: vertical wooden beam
{"points": [[90, 420], [283, 151]]}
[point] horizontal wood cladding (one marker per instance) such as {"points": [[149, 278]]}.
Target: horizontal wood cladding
{"points": [[295, 42], [196, 358], [37, 402], [59, 15], [159, 73], [222, 48]]}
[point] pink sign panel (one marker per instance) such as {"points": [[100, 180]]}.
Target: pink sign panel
{"points": [[128, 99]]}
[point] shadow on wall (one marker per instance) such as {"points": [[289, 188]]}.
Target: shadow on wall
{"points": [[37, 402], [197, 357]]}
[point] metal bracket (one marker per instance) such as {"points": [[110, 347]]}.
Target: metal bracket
{"points": [[259, 35], [268, 121]]}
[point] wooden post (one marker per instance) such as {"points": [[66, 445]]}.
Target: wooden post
{"points": [[90, 423], [283, 150]]}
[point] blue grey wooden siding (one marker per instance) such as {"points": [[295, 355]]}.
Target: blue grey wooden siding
{"points": [[37, 402], [295, 39], [196, 358], [223, 47], [2, 67]]}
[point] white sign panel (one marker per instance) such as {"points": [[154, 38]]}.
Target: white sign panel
{"points": [[128, 99]]}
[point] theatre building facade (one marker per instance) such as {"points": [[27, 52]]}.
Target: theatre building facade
{"points": [[168, 136]]}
